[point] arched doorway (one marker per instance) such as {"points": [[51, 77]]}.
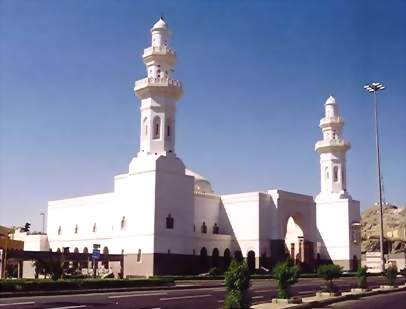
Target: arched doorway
{"points": [[238, 256], [294, 240], [203, 259], [215, 258], [251, 261], [105, 262], [227, 258]]}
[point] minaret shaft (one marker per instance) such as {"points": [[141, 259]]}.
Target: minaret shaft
{"points": [[158, 94], [332, 149]]}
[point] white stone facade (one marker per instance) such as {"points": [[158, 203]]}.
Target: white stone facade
{"points": [[160, 210]]}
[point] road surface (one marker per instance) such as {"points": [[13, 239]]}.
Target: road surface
{"points": [[204, 297]]}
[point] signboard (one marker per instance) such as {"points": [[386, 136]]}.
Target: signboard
{"points": [[96, 254]]}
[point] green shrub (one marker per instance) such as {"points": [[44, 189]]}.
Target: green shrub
{"points": [[286, 274], [75, 284], [362, 275], [237, 282], [391, 273], [236, 299], [329, 272]]}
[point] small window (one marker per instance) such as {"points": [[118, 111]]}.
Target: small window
{"points": [[204, 228], [335, 173], [76, 229], [123, 223], [157, 127], [334, 134], [216, 228], [194, 227], [170, 222], [326, 172], [145, 126], [94, 228], [59, 230], [139, 255]]}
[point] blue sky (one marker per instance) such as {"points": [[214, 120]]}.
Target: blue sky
{"points": [[255, 74]]}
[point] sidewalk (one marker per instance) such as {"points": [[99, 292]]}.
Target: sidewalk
{"points": [[181, 286]]}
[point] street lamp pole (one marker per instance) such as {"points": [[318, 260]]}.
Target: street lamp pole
{"points": [[373, 88], [43, 222]]}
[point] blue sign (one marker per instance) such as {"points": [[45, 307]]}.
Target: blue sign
{"points": [[96, 254]]}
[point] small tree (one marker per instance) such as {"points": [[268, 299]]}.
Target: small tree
{"points": [[55, 267], [362, 275], [237, 281], [329, 272], [286, 274], [391, 273]]}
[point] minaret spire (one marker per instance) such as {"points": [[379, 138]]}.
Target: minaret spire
{"points": [[158, 93], [332, 149]]}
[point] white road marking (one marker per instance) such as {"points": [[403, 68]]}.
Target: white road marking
{"points": [[185, 297], [69, 307], [15, 304], [264, 291], [256, 297], [306, 292], [136, 295]]}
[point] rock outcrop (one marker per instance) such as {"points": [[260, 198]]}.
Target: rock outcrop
{"points": [[394, 219]]}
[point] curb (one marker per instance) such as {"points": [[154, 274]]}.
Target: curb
{"points": [[100, 291], [337, 299]]}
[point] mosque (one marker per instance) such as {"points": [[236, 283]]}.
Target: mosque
{"points": [[166, 219]]}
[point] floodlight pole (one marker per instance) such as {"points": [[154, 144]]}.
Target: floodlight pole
{"points": [[374, 87], [378, 164]]}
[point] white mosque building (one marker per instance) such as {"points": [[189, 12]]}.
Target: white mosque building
{"points": [[166, 219]]}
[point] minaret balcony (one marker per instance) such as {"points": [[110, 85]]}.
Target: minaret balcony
{"points": [[335, 121], [331, 145], [158, 86], [159, 53]]}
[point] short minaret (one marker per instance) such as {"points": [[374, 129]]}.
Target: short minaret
{"points": [[158, 93], [332, 149]]}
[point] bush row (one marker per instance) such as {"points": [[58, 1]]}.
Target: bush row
{"points": [[74, 284]]}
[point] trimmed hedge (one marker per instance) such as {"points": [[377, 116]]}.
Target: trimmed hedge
{"points": [[78, 284]]}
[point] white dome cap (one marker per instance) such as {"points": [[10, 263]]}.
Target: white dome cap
{"points": [[160, 24], [201, 183], [330, 100]]}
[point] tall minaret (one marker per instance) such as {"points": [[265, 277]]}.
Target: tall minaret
{"points": [[158, 94], [332, 149], [337, 214]]}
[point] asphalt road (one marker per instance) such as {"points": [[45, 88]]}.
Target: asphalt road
{"points": [[204, 297]]}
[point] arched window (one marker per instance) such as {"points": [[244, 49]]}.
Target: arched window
{"points": [[94, 228], [335, 173], [216, 228], [204, 228], [227, 258], [106, 259], [76, 250], [170, 223], [76, 229], [123, 223], [157, 127], [59, 230], [139, 256], [215, 257], [85, 250], [168, 127], [145, 126]]}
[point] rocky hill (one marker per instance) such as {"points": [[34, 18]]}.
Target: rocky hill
{"points": [[394, 219]]}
